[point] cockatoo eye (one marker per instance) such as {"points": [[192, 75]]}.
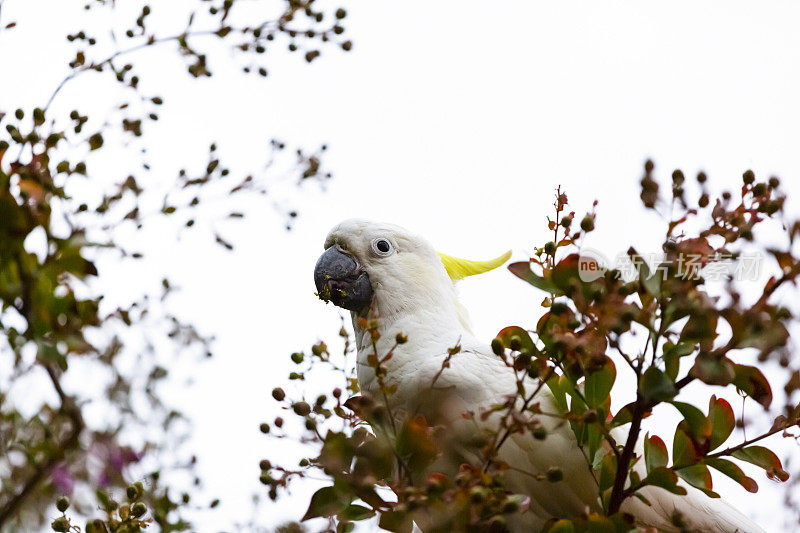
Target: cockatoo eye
{"points": [[381, 247]]}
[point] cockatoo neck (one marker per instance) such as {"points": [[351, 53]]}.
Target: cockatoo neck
{"points": [[433, 321]]}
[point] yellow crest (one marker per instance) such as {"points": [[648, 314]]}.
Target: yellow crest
{"points": [[461, 268]]}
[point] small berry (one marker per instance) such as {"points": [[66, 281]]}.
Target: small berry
{"points": [[497, 346], [138, 509], [301, 408], [554, 474], [61, 524], [62, 504]]}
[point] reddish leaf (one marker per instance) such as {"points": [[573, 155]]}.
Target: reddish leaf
{"points": [[518, 338], [566, 273], [684, 452], [731, 470], [765, 458], [655, 453], [415, 445], [752, 382], [722, 420]]}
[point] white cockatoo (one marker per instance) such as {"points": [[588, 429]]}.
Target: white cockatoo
{"points": [[382, 271]]}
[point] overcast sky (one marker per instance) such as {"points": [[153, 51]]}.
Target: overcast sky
{"points": [[456, 119]]}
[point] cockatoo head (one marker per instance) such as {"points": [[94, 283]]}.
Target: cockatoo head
{"points": [[371, 265]]}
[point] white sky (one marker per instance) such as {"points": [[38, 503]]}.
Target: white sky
{"points": [[456, 120]]}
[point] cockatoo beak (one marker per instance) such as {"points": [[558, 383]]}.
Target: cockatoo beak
{"points": [[340, 279]]}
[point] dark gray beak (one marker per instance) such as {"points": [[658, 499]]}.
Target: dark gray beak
{"points": [[339, 279]]}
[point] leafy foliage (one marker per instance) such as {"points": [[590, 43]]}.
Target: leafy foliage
{"points": [[591, 330], [61, 213]]}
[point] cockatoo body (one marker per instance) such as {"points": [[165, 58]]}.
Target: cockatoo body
{"points": [[382, 271]]}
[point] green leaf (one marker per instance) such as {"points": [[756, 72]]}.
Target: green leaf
{"points": [[752, 382], [562, 526], [415, 445], [345, 527], [701, 326], [672, 357], [720, 414], [523, 271], [655, 453], [327, 501], [608, 471], [666, 479], [599, 383], [712, 370], [623, 416], [355, 513], [684, 452], [731, 470], [597, 523], [699, 477], [656, 386], [765, 458], [557, 385], [566, 274], [699, 426], [650, 282], [396, 521], [519, 338]]}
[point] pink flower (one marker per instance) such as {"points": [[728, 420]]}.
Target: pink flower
{"points": [[62, 479]]}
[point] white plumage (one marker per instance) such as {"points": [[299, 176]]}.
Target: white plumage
{"points": [[413, 295]]}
